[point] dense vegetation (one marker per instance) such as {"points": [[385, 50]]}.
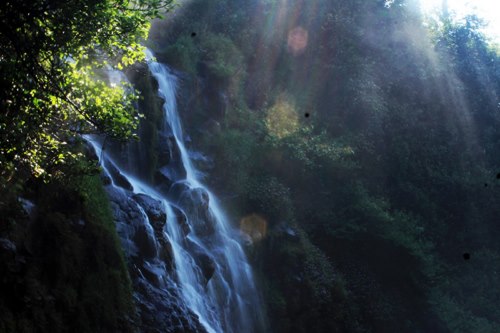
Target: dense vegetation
{"points": [[362, 147], [52, 57], [357, 146], [61, 265]]}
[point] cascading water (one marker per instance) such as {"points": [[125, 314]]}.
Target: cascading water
{"points": [[228, 302], [208, 266]]}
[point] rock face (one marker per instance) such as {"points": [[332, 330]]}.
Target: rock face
{"points": [[153, 208], [183, 256], [162, 311], [157, 216], [203, 260], [141, 219], [117, 176], [140, 222], [7, 246], [195, 200], [181, 220]]}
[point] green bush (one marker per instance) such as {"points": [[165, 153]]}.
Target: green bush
{"points": [[183, 55], [221, 56], [75, 278]]}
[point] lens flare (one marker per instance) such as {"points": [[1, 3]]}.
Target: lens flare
{"points": [[254, 226], [297, 40]]}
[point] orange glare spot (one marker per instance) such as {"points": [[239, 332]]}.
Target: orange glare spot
{"points": [[254, 226], [297, 40]]}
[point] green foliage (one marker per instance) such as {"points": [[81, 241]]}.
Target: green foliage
{"points": [[271, 198], [73, 275], [301, 284], [183, 54], [314, 151], [221, 56], [51, 61], [150, 106], [385, 177], [282, 118], [468, 304]]}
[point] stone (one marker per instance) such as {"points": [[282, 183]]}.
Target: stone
{"points": [[167, 255], [204, 261], [182, 221], [154, 208], [163, 310], [7, 246], [162, 178], [117, 177], [145, 242], [195, 203]]}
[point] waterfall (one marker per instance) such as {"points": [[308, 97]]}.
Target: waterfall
{"points": [[209, 270]]}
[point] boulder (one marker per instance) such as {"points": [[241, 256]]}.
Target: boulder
{"points": [[105, 179], [154, 209], [154, 272], [182, 221], [203, 260], [162, 178], [195, 203], [7, 246], [118, 178], [157, 215], [145, 242], [167, 255], [137, 236], [163, 310], [207, 266]]}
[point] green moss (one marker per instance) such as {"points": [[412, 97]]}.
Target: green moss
{"points": [[106, 292], [183, 55], [150, 105], [300, 285], [74, 278], [222, 57]]}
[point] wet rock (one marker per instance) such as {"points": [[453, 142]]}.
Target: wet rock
{"points": [[29, 207], [163, 178], [105, 179], [167, 255], [177, 189], [7, 245], [195, 203], [204, 197], [203, 162], [154, 208], [207, 266], [145, 242], [89, 152], [124, 210], [164, 152], [136, 239], [181, 219], [153, 271], [117, 177], [203, 260], [173, 168], [162, 310], [160, 307], [168, 174], [193, 199], [157, 215]]}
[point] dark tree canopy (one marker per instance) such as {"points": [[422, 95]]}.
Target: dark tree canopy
{"points": [[52, 56]]}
